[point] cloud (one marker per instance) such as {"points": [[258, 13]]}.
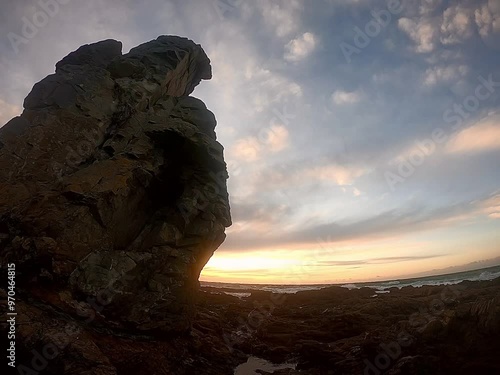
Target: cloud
{"points": [[348, 2], [484, 136], [281, 15], [247, 149], [450, 73], [277, 138], [431, 27], [487, 18], [422, 32], [427, 7], [457, 25], [491, 206], [341, 97], [381, 260], [394, 222], [302, 176], [8, 111], [434, 26], [445, 56], [273, 139], [259, 217], [338, 174], [411, 151], [301, 47]]}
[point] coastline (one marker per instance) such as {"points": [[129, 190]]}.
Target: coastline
{"points": [[480, 274], [447, 329], [430, 329]]}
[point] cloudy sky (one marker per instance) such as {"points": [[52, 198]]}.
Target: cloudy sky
{"points": [[362, 140]]}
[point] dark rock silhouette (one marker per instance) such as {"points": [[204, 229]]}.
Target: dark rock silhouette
{"points": [[112, 192]]}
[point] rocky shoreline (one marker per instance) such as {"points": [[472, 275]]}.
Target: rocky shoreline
{"points": [[428, 330]]}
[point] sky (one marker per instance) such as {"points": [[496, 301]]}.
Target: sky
{"points": [[362, 138]]}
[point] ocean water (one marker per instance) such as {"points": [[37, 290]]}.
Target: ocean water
{"points": [[242, 290]]}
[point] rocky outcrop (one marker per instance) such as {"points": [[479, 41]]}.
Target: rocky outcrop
{"points": [[112, 193], [452, 329]]}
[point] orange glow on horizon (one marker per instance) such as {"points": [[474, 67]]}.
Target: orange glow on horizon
{"points": [[345, 262]]}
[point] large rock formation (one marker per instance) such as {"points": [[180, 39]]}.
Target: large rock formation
{"points": [[113, 190]]}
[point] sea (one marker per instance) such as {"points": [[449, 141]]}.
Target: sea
{"points": [[244, 290], [483, 274]]}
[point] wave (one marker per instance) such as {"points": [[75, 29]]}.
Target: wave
{"points": [[238, 294], [445, 280], [350, 286], [384, 286]]}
